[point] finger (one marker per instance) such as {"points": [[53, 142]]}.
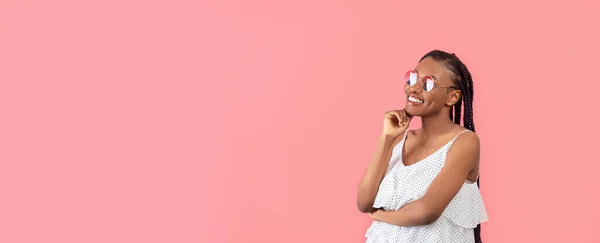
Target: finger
{"points": [[407, 115], [403, 116], [389, 114], [399, 117]]}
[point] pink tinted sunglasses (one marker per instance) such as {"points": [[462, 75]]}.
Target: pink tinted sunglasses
{"points": [[427, 82]]}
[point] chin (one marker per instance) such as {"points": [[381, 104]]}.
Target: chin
{"points": [[414, 110]]}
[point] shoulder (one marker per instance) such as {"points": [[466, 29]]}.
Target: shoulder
{"points": [[464, 149], [467, 138]]}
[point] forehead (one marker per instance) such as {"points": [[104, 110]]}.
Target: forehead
{"points": [[429, 66]]}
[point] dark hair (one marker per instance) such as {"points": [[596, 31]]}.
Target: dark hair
{"points": [[464, 82]]}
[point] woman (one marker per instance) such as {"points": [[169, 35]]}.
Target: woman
{"points": [[420, 185]]}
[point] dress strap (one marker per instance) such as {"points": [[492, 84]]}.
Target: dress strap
{"points": [[405, 134], [455, 137]]}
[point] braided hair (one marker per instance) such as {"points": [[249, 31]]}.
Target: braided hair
{"points": [[464, 82]]}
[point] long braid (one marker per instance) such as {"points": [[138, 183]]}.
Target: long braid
{"points": [[461, 78]]}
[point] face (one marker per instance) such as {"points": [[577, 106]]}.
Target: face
{"points": [[440, 97]]}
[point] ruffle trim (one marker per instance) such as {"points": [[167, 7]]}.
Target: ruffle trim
{"points": [[467, 209]]}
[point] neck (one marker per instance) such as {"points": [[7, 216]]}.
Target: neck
{"points": [[437, 124]]}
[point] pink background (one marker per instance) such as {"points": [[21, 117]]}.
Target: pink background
{"points": [[253, 121]]}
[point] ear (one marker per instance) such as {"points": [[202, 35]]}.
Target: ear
{"points": [[453, 97]]}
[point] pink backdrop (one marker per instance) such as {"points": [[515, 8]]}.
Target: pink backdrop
{"points": [[253, 121]]}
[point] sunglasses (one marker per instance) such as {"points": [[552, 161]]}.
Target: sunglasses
{"points": [[427, 82]]}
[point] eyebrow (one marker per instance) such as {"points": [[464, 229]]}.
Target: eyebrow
{"points": [[434, 77]]}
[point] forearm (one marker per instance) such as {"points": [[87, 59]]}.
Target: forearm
{"points": [[413, 214], [369, 185]]}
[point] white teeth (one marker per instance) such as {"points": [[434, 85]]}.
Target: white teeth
{"points": [[414, 100]]}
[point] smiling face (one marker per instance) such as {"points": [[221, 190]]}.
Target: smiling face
{"points": [[441, 96]]}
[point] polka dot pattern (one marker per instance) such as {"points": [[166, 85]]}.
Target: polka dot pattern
{"points": [[404, 184]]}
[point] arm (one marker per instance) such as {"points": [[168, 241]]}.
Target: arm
{"points": [[462, 157], [369, 185]]}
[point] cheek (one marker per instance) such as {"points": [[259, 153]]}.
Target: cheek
{"points": [[435, 98]]}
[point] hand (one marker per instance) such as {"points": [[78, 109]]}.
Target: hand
{"points": [[395, 123], [373, 214]]}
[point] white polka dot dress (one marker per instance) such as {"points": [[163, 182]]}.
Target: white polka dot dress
{"points": [[404, 184]]}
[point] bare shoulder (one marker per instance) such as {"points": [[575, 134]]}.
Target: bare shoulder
{"points": [[467, 137], [465, 149]]}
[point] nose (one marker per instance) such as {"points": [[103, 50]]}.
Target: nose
{"points": [[417, 88]]}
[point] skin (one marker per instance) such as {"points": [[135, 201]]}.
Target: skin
{"points": [[462, 160]]}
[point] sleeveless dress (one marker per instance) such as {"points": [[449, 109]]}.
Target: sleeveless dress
{"points": [[404, 184]]}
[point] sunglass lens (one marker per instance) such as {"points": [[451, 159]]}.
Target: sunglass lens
{"points": [[428, 83], [411, 78]]}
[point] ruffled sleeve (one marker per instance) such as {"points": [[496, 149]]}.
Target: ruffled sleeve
{"points": [[467, 209]]}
